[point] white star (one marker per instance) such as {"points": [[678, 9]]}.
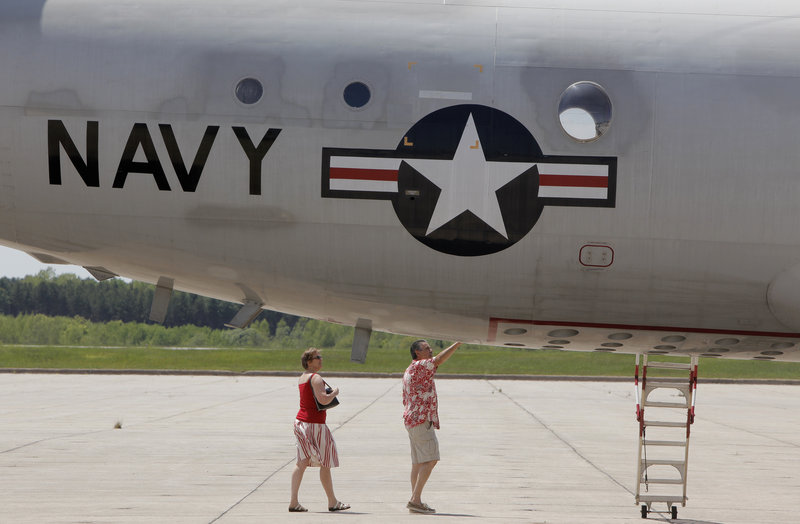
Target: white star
{"points": [[468, 182]]}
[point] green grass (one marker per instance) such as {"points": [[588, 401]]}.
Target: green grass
{"points": [[468, 360]]}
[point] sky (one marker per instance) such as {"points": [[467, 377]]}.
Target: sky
{"points": [[16, 264]]}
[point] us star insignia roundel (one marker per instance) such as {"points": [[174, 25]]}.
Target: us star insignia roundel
{"points": [[468, 180]]}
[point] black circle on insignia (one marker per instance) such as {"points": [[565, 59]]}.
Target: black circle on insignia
{"points": [[503, 139]]}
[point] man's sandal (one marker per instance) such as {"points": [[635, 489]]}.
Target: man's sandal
{"points": [[297, 509], [340, 506]]}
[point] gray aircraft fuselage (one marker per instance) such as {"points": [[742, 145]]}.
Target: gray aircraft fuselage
{"points": [[407, 163]]}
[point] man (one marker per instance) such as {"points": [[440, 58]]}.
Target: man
{"points": [[421, 417]]}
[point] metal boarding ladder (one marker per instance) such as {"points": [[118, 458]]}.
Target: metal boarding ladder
{"points": [[668, 437]]}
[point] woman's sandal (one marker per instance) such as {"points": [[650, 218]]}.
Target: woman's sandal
{"points": [[340, 506], [297, 509]]}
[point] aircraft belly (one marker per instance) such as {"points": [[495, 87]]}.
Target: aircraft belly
{"points": [[123, 145]]}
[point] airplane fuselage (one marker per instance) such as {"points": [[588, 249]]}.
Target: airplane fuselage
{"points": [[316, 157]]}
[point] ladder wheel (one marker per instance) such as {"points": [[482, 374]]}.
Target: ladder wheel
{"points": [[674, 512], [644, 511]]}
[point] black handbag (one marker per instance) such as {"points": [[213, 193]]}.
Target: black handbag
{"points": [[331, 404]]}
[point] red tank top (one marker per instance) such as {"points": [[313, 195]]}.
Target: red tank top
{"points": [[308, 407]]}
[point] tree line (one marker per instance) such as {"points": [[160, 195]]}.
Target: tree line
{"points": [[44, 330], [115, 300], [50, 310]]}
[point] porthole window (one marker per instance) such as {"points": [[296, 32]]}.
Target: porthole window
{"points": [[357, 95], [584, 111], [249, 91]]}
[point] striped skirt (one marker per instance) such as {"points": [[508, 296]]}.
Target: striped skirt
{"points": [[315, 441]]}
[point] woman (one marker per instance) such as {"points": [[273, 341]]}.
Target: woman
{"points": [[315, 444]]}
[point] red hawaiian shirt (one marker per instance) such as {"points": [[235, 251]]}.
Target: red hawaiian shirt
{"points": [[419, 394]]}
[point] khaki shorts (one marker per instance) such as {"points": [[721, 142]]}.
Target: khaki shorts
{"points": [[424, 445]]}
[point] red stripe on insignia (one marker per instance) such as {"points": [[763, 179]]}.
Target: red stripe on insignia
{"points": [[346, 173], [573, 181]]}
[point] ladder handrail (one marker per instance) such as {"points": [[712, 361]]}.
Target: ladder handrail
{"points": [[636, 388], [643, 390]]}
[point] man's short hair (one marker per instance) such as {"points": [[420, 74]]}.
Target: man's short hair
{"points": [[308, 355], [416, 346]]}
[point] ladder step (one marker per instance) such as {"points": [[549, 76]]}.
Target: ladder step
{"points": [[680, 443], [666, 382], [662, 462], [661, 498], [683, 388], [664, 424], [666, 404], [662, 481], [669, 365]]}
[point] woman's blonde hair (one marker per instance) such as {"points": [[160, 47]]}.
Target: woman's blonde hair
{"points": [[308, 355]]}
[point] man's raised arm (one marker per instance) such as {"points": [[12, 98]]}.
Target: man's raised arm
{"points": [[442, 357]]}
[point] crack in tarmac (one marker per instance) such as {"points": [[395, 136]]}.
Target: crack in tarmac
{"points": [[559, 437]]}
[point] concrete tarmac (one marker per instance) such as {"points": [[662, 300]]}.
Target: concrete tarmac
{"points": [[211, 449]]}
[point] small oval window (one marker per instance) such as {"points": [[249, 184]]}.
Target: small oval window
{"points": [[356, 95], [584, 111], [249, 91]]}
